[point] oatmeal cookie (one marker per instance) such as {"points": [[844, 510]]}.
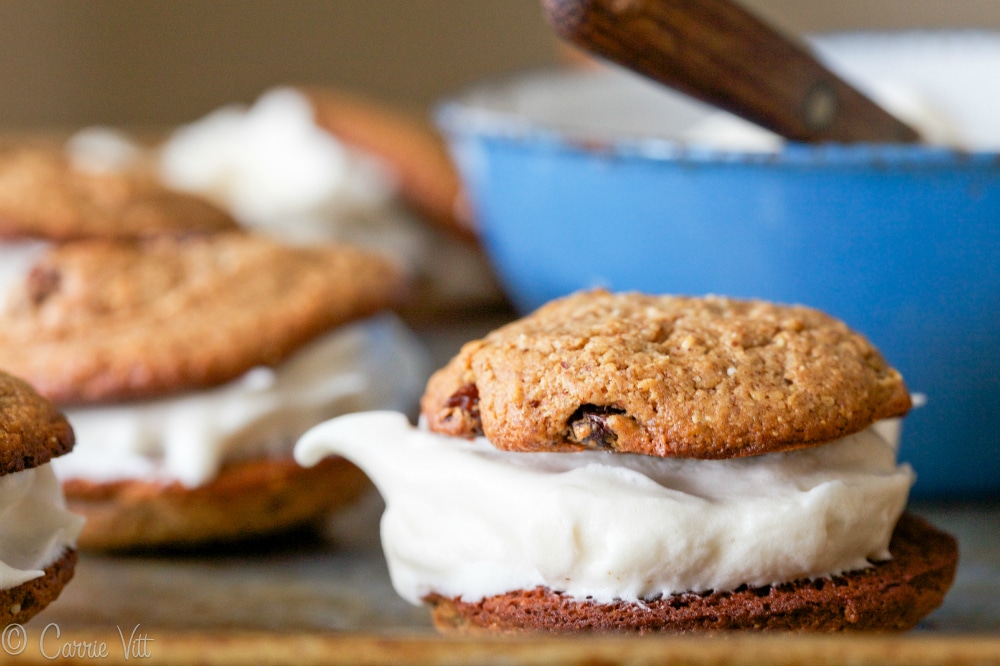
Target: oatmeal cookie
{"points": [[704, 377], [42, 195], [102, 320]]}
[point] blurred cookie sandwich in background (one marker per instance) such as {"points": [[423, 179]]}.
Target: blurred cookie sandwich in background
{"points": [[637, 463], [189, 366], [37, 534], [312, 165]]}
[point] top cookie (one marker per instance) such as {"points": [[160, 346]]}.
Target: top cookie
{"points": [[102, 320], [43, 196], [665, 376], [32, 431]]}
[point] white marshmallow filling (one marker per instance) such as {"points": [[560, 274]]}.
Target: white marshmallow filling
{"points": [[376, 363], [464, 519], [35, 527]]}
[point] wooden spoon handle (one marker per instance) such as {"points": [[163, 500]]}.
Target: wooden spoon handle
{"points": [[721, 54]]}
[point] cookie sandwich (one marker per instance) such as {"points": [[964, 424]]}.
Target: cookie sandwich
{"points": [[638, 463], [189, 366], [38, 535]]}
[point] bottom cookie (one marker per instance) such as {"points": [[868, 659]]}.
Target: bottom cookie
{"points": [[890, 596], [247, 499], [19, 604]]}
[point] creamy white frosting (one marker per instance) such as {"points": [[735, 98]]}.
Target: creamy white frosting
{"points": [[35, 527], [373, 364], [275, 169], [932, 79], [465, 519]]}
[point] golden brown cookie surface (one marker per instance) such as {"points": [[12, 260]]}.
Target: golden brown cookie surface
{"points": [[666, 376], [890, 596], [43, 196], [102, 320], [32, 431]]}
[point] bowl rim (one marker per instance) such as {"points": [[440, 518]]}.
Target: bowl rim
{"points": [[465, 116], [461, 122]]}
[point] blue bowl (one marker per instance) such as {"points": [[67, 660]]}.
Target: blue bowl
{"points": [[903, 243]]}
